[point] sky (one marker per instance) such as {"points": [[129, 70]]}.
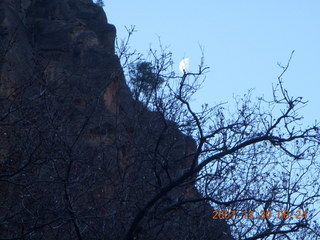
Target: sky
{"points": [[243, 43]]}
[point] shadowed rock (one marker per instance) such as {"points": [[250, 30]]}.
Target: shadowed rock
{"points": [[79, 157]]}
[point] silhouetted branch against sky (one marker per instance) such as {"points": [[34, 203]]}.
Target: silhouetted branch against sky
{"points": [[255, 157]]}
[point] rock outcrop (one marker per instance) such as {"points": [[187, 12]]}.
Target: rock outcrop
{"points": [[79, 159]]}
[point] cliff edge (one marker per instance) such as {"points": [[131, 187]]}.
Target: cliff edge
{"points": [[79, 159]]}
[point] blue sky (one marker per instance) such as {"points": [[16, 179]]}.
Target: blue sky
{"points": [[243, 41]]}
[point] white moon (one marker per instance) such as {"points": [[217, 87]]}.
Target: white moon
{"points": [[183, 66]]}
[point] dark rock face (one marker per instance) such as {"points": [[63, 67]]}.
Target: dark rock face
{"points": [[78, 157]]}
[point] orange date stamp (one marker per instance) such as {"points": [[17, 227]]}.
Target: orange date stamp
{"points": [[259, 215]]}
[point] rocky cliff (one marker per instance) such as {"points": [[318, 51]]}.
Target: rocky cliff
{"points": [[79, 159]]}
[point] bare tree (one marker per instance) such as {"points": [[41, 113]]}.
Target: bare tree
{"points": [[79, 160], [91, 162], [257, 166]]}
